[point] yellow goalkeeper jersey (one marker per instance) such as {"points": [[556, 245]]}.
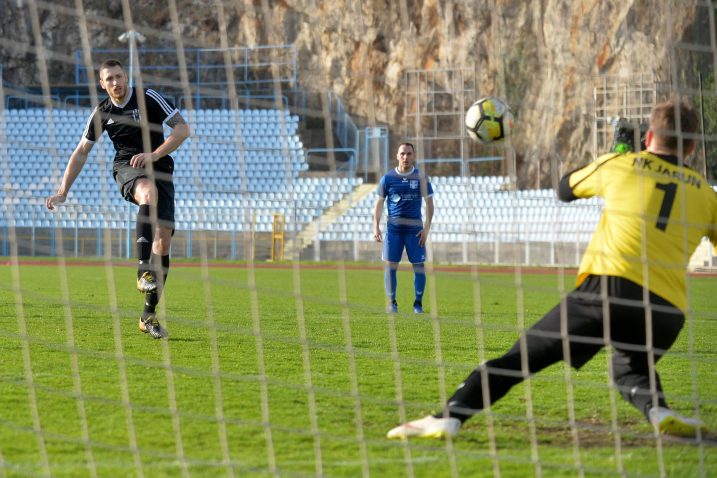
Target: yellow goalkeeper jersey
{"points": [[655, 214]]}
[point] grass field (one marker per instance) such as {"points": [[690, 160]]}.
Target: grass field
{"points": [[299, 372]]}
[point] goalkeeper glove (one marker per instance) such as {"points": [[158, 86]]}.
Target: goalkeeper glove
{"points": [[624, 136]]}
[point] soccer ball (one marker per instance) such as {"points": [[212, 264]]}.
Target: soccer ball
{"points": [[489, 120]]}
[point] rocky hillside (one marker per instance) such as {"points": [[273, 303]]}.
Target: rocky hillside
{"points": [[542, 56]]}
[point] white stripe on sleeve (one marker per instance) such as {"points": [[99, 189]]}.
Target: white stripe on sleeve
{"points": [[170, 116], [89, 124], [168, 110]]}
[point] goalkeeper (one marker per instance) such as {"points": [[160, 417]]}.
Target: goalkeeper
{"points": [[631, 284]]}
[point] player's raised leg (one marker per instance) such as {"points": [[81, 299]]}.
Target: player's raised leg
{"points": [[146, 281]]}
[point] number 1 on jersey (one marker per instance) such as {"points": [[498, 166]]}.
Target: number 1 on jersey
{"points": [[668, 200]]}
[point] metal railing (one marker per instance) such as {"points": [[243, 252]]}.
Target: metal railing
{"points": [[249, 65]]}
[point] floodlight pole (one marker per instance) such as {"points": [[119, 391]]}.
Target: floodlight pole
{"points": [[132, 38]]}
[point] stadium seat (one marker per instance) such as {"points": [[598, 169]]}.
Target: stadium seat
{"points": [[232, 157]]}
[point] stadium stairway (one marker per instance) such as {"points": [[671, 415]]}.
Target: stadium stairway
{"points": [[312, 230]]}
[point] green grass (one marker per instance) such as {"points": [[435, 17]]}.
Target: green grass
{"points": [[190, 403]]}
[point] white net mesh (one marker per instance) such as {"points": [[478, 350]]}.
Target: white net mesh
{"points": [[281, 360]]}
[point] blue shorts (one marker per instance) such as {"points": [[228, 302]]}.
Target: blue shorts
{"points": [[395, 242]]}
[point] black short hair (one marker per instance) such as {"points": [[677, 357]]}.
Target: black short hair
{"points": [[408, 144], [110, 63]]}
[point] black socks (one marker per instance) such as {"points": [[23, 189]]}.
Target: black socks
{"points": [[152, 298], [144, 240]]}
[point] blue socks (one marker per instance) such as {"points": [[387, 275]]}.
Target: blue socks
{"points": [[419, 281], [389, 280]]}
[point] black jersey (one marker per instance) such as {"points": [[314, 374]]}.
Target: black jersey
{"points": [[123, 125]]}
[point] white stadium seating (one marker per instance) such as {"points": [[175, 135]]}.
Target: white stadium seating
{"points": [[241, 167], [480, 209], [238, 158]]}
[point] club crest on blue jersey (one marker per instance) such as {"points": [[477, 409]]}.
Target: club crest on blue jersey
{"points": [[413, 184]]}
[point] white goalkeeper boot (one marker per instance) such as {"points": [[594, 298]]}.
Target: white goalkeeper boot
{"points": [[672, 423], [428, 427]]}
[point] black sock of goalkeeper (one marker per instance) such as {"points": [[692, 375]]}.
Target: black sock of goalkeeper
{"points": [[152, 298], [144, 240]]}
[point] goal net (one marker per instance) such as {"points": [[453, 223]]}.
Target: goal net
{"points": [[280, 357]]}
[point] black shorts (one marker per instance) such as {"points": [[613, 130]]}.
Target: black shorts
{"points": [[125, 176], [588, 330], [602, 310]]}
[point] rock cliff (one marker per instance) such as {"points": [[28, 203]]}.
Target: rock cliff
{"points": [[542, 56]]}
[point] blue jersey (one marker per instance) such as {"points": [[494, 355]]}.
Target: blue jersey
{"points": [[404, 193]]}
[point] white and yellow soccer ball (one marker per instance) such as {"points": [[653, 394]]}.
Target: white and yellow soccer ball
{"points": [[489, 120]]}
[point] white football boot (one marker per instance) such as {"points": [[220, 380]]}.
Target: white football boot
{"points": [[672, 423], [428, 427]]}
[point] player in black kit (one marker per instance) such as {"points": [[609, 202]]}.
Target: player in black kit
{"points": [[142, 169]]}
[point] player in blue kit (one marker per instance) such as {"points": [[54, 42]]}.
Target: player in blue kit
{"points": [[405, 187]]}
